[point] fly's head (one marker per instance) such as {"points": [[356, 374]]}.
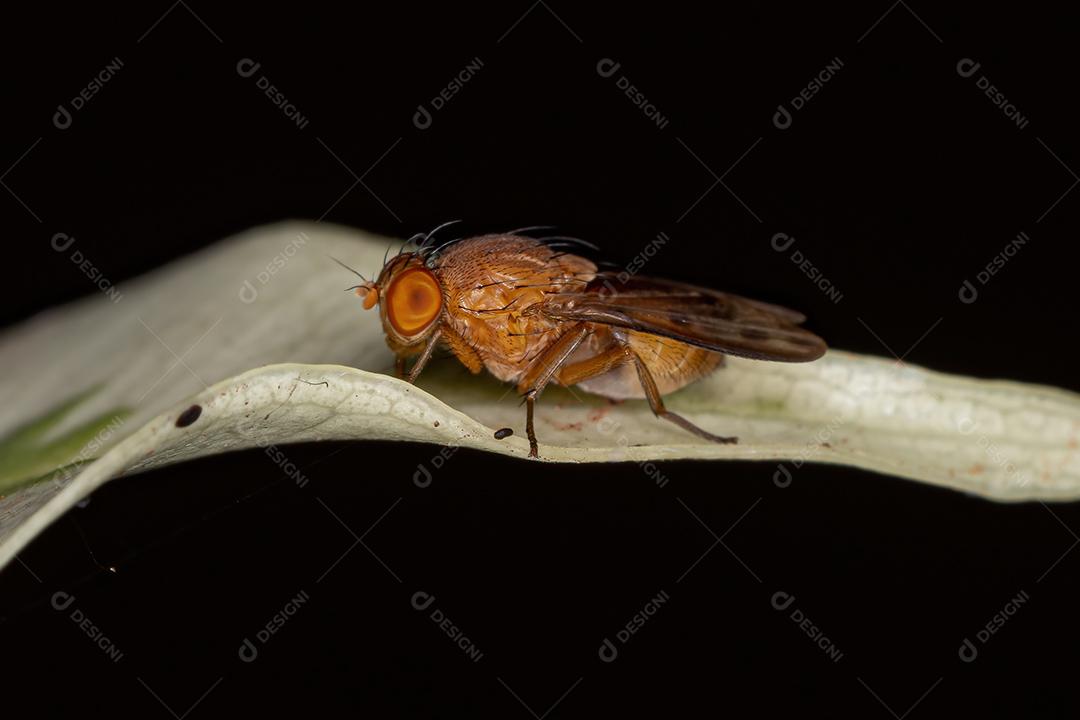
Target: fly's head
{"points": [[409, 297]]}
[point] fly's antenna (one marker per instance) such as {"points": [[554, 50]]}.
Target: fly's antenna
{"points": [[354, 272]]}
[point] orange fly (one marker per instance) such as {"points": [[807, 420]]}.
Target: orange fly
{"points": [[531, 313]]}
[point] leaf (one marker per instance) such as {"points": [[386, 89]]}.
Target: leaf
{"points": [[188, 334], [25, 454]]}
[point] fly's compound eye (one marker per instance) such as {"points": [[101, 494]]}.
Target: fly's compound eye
{"points": [[414, 300]]}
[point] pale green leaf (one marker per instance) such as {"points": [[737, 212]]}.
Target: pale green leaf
{"points": [[190, 333]]}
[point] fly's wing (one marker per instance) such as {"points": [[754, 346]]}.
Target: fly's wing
{"points": [[697, 316]]}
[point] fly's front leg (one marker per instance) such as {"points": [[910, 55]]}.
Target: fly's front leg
{"points": [[657, 404], [421, 361], [542, 369]]}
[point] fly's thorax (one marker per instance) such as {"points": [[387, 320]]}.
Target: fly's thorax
{"points": [[495, 287], [490, 258]]}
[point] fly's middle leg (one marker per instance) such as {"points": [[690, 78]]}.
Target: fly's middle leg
{"points": [[541, 371]]}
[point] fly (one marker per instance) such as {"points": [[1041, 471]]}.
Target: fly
{"points": [[532, 313]]}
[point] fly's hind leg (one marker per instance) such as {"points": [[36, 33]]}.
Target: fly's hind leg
{"points": [[582, 370], [657, 405]]}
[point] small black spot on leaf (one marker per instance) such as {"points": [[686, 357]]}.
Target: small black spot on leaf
{"points": [[503, 433], [189, 416]]}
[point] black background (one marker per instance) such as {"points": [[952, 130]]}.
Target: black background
{"points": [[899, 180]]}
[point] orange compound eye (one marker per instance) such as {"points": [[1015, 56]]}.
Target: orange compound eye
{"points": [[414, 300]]}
